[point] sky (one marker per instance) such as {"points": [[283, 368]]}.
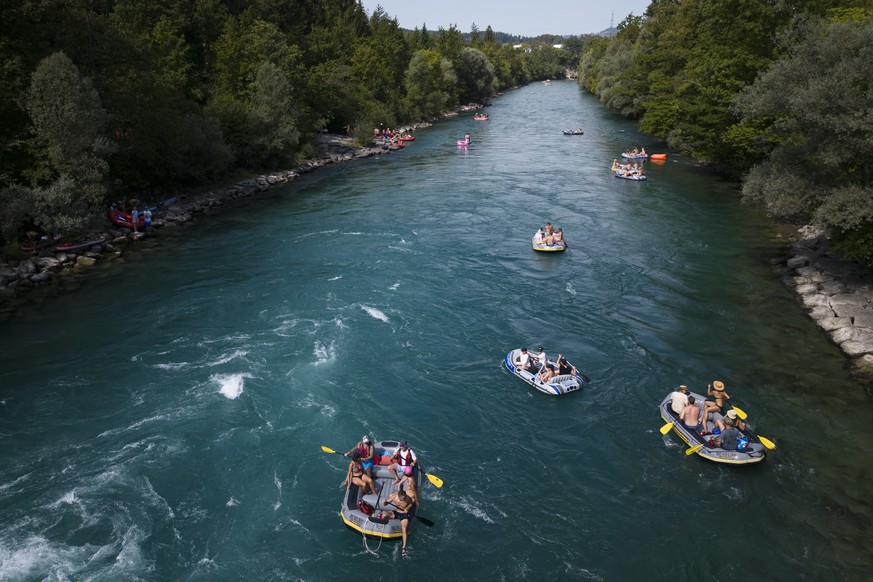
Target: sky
{"points": [[517, 17]]}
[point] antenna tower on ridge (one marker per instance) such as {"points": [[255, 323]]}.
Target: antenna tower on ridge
{"points": [[612, 19]]}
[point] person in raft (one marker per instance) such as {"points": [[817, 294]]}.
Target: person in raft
{"points": [[679, 399], [405, 510], [356, 476], [403, 459], [367, 451]]}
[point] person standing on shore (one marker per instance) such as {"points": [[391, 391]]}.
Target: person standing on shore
{"points": [[134, 217], [147, 215]]}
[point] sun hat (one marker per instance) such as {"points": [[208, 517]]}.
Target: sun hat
{"points": [[407, 470], [403, 443], [732, 414], [718, 385], [366, 440], [728, 421], [683, 387]]}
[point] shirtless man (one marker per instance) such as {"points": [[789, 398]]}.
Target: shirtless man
{"points": [[690, 416], [549, 229], [404, 512]]}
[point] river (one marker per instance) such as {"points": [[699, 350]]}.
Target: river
{"points": [[164, 420]]}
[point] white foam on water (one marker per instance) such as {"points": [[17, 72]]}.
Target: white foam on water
{"points": [[570, 290], [375, 313], [225, 358], [230, 385], [278, 484], [173, 366], [337, 278], [475, 511], [232, 502], [36, 558], [324, 354], [394, 286]]}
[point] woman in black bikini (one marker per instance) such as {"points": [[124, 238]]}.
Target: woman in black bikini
{"points": [[357, 476]]}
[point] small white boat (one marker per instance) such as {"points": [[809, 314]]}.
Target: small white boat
{"points": [[557, 386], [631, 176]]}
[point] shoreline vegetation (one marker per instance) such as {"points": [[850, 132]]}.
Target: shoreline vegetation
{"points": [[48, 270]]}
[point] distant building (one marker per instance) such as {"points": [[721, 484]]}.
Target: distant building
{"points": [[558, 46]]}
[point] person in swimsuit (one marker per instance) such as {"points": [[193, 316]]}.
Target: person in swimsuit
{"points": [[367, 452], [547, 374], [690, 416], [356, 475], [713, 408], [404, 512]]}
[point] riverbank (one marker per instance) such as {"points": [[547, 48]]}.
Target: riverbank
{"points": [[48, 268], [837, 294]]}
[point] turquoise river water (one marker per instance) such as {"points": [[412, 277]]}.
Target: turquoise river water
{"points": [[164, 420]]}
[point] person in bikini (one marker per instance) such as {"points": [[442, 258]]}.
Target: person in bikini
{"points": [[405, 510], [367, 451], [356, 475], [713, 408]]}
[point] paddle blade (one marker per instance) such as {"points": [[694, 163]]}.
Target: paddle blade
{"points": [[740, 413], [329, 451], [767, 442], [425, 521], [693, 449], [666, 428], [435, 480]]}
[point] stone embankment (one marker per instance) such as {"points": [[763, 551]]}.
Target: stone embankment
{"points": [[47, 267], [838, 296]]}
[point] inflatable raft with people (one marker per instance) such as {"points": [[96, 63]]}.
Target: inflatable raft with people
{"points": [[556, 385], [705, 444], [361, 511]]}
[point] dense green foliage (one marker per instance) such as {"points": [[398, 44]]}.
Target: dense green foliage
{"points": [[104, 99], [779, 92]]}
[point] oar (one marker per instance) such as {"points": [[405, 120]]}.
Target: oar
{"points": [[666, 428], [693, 449], [766, 442], [432, 478], [423, 520], [740, 413]]}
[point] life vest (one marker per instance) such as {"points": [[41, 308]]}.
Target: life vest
{"points": [[405, 460]]}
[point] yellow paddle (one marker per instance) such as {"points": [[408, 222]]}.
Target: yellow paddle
{"points": [[432, 478], [740, 413], [693, 449], [766, 442], [666, 428]]}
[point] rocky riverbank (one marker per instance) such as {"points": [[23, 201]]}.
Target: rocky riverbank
{"points": [[837, 294], [48, 267]]}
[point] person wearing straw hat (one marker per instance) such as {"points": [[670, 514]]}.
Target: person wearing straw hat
{"points": [[713, 406], [737, 421]]}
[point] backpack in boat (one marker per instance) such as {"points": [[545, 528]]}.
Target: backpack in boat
{"points": [[742, 443], [365, 507]]}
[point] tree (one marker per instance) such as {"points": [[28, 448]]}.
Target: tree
{"points": [[475, 75], [274, 133], [814, 108], [70, 126]]}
